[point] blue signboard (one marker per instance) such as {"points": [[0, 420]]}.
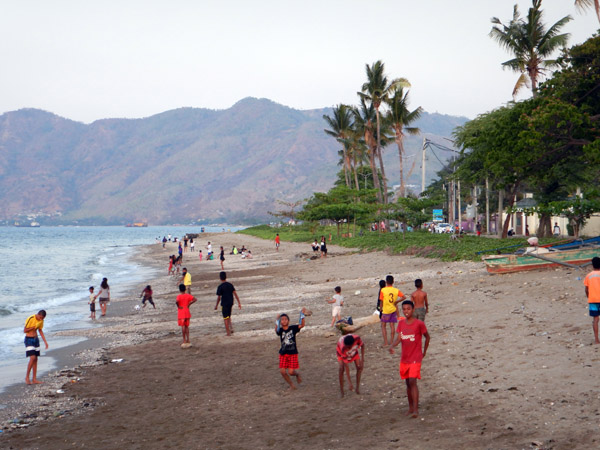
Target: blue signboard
{"points": [[438, 214]]}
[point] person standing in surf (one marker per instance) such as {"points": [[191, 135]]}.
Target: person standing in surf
{"points": [[33, 326], [103, 296]]}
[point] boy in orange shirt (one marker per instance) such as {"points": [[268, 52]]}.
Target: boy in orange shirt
{"points": [[183, 303], [592, 292], [390, 297], [33, 325]]}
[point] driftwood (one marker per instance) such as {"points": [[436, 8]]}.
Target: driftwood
{"points": [[358, 323]]}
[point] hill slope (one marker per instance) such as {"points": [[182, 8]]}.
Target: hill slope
{"points": [[179, 166]]}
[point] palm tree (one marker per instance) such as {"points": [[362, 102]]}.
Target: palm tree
{"points": [[341, 127], [584, 4], [364, 116], [400, 119], [530, 43], [376, 90]]}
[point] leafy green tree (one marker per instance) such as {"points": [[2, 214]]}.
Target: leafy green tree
{"points": [[400, 118], [530, 43]]}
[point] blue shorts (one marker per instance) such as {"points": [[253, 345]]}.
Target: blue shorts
{"points": [[594, 309], [32, 346]]}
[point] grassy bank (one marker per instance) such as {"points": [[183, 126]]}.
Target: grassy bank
{"points": [[419, 243]]}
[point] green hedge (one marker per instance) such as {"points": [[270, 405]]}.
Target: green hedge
{"points": [[419, 243]]}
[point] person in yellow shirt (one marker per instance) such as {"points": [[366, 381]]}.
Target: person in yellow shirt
{"points": [[390, 297], [33, 325], [186, 279], [592, 292]]}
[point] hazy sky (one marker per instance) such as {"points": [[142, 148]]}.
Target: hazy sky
{"points": [[88, 60]]}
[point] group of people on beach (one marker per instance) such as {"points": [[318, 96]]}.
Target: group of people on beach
{"points": [[320, 247]]}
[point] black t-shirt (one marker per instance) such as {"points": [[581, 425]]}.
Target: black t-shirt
{"points": [[288, 340], [226, 290]]}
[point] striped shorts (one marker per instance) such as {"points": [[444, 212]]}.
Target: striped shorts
{"points": [[32, 346]]}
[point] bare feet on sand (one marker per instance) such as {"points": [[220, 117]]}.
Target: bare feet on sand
{"points": [[298, 378], [34, 381]]}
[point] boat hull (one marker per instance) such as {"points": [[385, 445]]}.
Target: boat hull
{"points": [[520, 263]]}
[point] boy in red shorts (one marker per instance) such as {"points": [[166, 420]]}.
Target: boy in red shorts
{"points": [[347, 352], [592, 292], [288, 353], [183, 314], [410, 332]]}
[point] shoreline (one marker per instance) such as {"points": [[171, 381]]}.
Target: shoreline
{"points": [[505, 368]]}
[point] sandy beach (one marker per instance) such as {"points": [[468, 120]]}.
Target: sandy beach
{"points": [[511, 362]]}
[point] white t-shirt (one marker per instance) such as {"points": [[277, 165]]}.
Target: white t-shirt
{"points": [[209, 248], [339, 299]]}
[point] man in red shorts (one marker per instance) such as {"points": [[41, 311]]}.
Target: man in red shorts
{"points": [[347, 352], [288, 353], [410, 332], [183, 314]]}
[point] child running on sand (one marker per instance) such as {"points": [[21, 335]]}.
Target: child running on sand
{"points": [[337, 301], [419, 298], [222, 258], [390, 297], [146, 296], [288, 353], [277, 242], [410, 332], [183, 303], [225, 294], [92, 303], [33, 325], [347, 352], [592, 292]]}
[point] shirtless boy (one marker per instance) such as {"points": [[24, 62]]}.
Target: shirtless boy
{"points": [[419, 298]]}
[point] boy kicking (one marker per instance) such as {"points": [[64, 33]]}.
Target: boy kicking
{"points": [[288, 353], [592, 292], [410, 332], [347, 352], [225, 294], [33, 325], [183, 303], [390, 297]]}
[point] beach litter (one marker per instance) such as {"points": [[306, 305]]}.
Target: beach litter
{"points": [[117, 360], [60, 391]]}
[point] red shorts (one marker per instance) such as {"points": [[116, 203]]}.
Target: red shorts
{"points": [[288, 361], [184, 322], [410, 370], [348, 361]]}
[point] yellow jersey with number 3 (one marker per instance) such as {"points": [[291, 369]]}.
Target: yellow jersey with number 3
{"points": [[389, 295]]}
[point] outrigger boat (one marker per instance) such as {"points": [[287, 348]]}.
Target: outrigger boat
{"points": [[575, 259]]}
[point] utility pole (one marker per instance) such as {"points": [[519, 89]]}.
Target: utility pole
{"points": [[487, 205], [459, 207], [423, 166]]}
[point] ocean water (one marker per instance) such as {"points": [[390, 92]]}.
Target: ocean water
{"points": [[51, 268]]}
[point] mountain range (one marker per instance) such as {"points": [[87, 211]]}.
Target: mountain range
{"points": [[181, 166]]}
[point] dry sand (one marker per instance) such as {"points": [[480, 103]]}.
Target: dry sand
{"points": [[511, 362]]}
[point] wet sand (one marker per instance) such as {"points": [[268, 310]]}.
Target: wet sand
{"points": [[511, 362]]}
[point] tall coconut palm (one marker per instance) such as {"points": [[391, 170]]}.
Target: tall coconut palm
{"points": [[530, 43], [584, 4], [400, 118], [364, 118], [341, 127], [376, 90]]}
